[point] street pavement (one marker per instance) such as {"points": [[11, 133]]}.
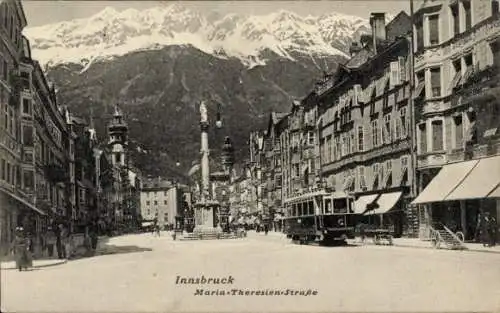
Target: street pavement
{"points": [[138, 273]]}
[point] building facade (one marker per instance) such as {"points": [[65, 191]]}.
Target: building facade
{"points": [[364, 110], [457, 62], [159, 199]]}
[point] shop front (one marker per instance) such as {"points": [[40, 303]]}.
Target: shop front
{"points": [[459, 195]]}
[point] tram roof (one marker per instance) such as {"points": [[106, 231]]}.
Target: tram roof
{"points": [[322, 192]]}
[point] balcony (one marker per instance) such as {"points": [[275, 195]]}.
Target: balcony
{"points": [[10, 143], [456, 155], [432, 159], [55, 173]]}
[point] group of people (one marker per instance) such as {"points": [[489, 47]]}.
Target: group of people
{"points": [[486, 229]]}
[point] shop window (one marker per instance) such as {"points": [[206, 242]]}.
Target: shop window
{"points": [[437, 135]]}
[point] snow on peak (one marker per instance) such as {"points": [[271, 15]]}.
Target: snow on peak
{"points": [[112, 33]]}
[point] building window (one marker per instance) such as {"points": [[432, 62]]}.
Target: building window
{"points": [[28, 179], [148, 202], [310, 138], [165, 202], [118, 158], [345, 145], [28, 136], [422, 130], [26, 106], [419, 29], [386, 133], [468, 14], [455, 16], [156, 202], [495, 50], [360, 139], [352, 142], [375, 132], [436, 81], [8, 172], [433, 29], [437, 135], [401, 125], [459, 131]]}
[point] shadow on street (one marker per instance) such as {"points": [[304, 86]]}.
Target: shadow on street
{"points": [[104, 248]]}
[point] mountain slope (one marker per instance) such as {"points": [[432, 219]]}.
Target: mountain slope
{"points": [[159, 64], [160, 92]]}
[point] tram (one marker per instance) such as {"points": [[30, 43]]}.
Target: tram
{"points": [[320, 216]]}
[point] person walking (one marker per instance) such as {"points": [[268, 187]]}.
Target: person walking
{"points": [[94, 238], [485, 232], [492, 231], [22, 253]]}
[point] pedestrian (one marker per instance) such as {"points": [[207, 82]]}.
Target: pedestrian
{"points": [[492, 231], [362, 232], [485, 232], [50, 241], [94, 236], [59, 241], [20, 246], [266, 228]]}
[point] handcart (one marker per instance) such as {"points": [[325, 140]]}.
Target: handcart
{"points": [[380, 236]]}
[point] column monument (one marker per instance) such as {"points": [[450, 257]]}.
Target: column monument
{"points": [[206, 210]]}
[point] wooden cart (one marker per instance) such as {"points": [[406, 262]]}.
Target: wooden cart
{"points": [[380, 236]]}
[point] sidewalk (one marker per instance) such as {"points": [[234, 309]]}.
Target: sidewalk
{"points": [[11, 265], [419, 244]]}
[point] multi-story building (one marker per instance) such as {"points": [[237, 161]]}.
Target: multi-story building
{"points": [[272, 164], [364, 121], [160, 200], [17, 207], [457, 58]]}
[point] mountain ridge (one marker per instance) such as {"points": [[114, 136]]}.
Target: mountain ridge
{"points": [[111, 33]]}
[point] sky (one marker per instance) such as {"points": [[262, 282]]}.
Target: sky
{"points": [[46, 12]]}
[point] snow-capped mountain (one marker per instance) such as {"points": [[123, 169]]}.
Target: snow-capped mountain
{"points": [[111, 33]]}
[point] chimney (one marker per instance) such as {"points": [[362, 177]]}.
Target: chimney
{"points": [[377, 22], [355, 48]]}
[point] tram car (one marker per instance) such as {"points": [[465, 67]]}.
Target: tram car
{"points": [[320, 216]]}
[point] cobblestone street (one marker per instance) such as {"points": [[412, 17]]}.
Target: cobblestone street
{"points": [[352, 278]]}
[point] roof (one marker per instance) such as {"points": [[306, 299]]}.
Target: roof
{"points": [[360, 58], [277, 117]]}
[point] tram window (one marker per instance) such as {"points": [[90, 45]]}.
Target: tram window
{"points": [[310, 207], [339, 206], [294, 210], [351, 206], [301, 209], [328, 206]]}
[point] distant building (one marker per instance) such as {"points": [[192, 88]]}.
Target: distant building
{"points": [[160, 199]]}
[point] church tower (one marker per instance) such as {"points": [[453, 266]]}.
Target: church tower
{"points": [[117, 132]]}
